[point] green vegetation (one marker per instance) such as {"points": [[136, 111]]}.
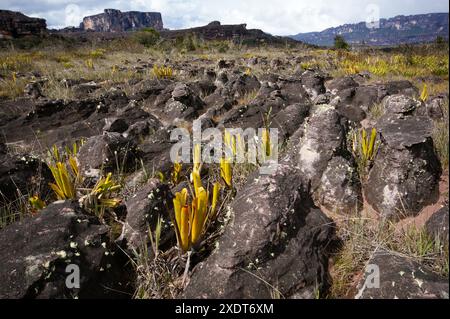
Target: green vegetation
{"points": [[162, 72], [364, 149], [363, 235], [441, 137], [148, 37], [339, 43]]}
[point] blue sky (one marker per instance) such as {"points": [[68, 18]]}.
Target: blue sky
{"points": [[280, 17]]}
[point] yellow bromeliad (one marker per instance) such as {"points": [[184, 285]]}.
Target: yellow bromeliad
{"points": [[197, 158], [162, 72], [230, 142], [36, 204], [226, 172], [424, 94], [191, 218], [64, 186], [176, 173], [267, 147]]}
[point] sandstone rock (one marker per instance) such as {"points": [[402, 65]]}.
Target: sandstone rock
{"points": [[241, 85], [222, 64], [289, 120], [33, 90], [275, 63], [15, 25], [340, 84], [238, 33], [340, 189], [114, 124], [436, 107], [354, 103], [400, 104], [437, 226], [127, 116], [143, 210], [276, 243], [108, 152], [155, 151], [83, 89], [313, 83], [43, 246], [115, 21], [324, 138], [406, 171], [292, 90], [400, 87], [22, 175], [401, 278], [60, 122]]}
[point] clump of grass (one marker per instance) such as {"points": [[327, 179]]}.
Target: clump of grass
{"points": [[362, 236], [377, 111], [13, 211], [421, 246], [383, 65], [90, 64], [162, 72], [55, 89], [247, 97], [97, 54], [16, 62], [12, 87], [441, 137], [157, 277]]}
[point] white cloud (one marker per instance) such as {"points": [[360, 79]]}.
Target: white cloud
{"points": [[280, 17]]}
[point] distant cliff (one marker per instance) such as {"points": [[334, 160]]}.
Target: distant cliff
{"points": [[238, 32], [401, 29], [15, 24], [116, 21]]}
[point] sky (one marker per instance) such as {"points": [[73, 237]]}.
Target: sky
{"points": [[278, 17]]}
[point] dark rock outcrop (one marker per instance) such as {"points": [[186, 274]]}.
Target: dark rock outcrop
{"points": [[340, 188], [355, 101], [22, 175], [15, 24], [43, 247], [406, 171], [116, 21], [275, 243], [143, 209], [400, 278], [323, 139], [437, 226], [109, 152], [235, 32]]}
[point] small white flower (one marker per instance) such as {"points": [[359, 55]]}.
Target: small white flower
{"points": [[61, 254]]}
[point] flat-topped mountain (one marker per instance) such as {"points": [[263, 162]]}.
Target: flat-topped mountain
{"points": [[217, 31], [400, 29], [15, 24], [112, 20]]}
